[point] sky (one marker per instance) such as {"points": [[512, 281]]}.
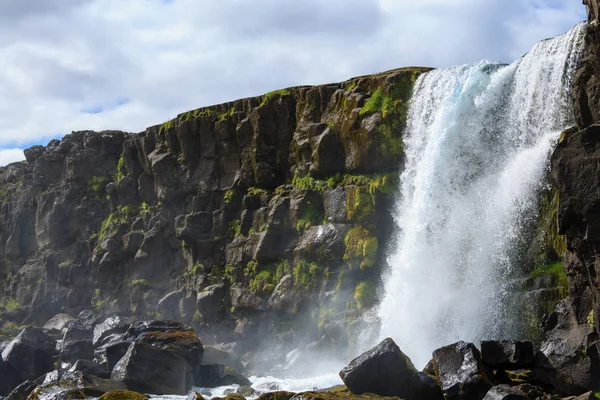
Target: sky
{"points": [[68, 65]]}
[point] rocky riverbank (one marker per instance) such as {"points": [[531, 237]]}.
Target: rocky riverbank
{"points": [[110, 357]]}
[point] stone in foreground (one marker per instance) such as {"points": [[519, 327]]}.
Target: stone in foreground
{"points": [[504, 392], [462, 373], [151, 370], [30, 354], [507, 354], [386, 371]]}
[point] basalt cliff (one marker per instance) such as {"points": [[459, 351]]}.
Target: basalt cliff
{"points": [[264, 223], [242, 219]]}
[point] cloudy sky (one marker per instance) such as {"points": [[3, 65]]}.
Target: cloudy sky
{"points": [[127, 64]]}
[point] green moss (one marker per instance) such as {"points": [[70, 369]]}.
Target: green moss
{"points": [[229, 196], [312, 216], [121, 169], [274, 94], [122, 395], [281, 395], [235, 229], [230, 272], [196, 270], [360, 203], [10, 330], [97, 184], [351, 86], [307, 182], [307, 275], [554, 269], [164, 128], [254, 191], [140, 283], [590, 320], [365, 295], [121, 215], [361, 247], [262, 282], [9, 304]]}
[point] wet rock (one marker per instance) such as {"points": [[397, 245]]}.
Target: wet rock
{"points": [[9, 378], [504, 392], [195, 396], [507, 354], [168, 306], [278, 395], [57, 323], [385, 370], [22, 391], [285, 297], [210, 301], [213, 355], [74, 383], [110, 327], [90, 368], [122, 395], [77, 350], [567, 360], [31, 353], [151, 370], [461, 371]]}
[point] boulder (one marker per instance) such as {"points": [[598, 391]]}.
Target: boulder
{"points": [[386, 371], [507, 354], [168, 306], [567, 359], [504, 392], [90, 368], [73, 385], [461, 372], [31, 353], [8, 378], [145, 368], [22, 391], [56, 324], [213, 355], [77, 350], [122, 395], [216, 375], [108, 329], [210, 302]]}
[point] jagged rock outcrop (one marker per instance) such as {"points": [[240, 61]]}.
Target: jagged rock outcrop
{"points": [[242, 217], [570, 357]]}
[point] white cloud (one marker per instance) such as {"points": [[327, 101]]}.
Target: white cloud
{"points": [[70, 58], [8, 156]]}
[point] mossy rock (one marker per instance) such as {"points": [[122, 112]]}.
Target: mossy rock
{"points": [[122, 395], [340, 393], [195, 396], [233, 396], [281, 395]]}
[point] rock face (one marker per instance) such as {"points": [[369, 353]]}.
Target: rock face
{"points": [[260, 212], [507, 354], [461, 371], [385, 370], [30, 354], [569, 357]]}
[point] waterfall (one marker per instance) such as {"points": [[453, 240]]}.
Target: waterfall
{"points": [[477, 144]]}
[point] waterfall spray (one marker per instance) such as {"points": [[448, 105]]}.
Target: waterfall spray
{"points": [[477, 143]]}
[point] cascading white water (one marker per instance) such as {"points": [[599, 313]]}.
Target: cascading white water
{"points": [[477, 144]]}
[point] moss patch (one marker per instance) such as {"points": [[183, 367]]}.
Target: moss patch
{"points": [[313, 215], [365, 295], [272, 95], [122, 395], [307, 182], [361, 247]]}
